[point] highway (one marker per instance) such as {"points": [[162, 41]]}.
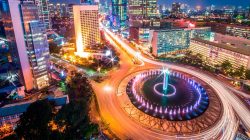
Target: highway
{"points": [[125, 128]]}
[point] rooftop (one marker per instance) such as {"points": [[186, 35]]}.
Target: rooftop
{"points": [[19, 108], [240, 50]]}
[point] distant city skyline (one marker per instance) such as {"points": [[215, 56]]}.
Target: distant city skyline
{"points": [[193, 3]]}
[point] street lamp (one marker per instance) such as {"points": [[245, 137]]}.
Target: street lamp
{"points": [[137, 54], [99, 69], [108, 53], [107, 88]]}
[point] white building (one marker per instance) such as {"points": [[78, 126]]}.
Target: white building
{"points": [[217, 53], [86, 26]]}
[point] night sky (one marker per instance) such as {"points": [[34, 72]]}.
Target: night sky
{"points": [[203, 3]]}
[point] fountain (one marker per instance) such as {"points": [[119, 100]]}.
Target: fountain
{"points": [[172, 96], [165, 80]]}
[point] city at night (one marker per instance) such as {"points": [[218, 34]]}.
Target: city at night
{"points": [[125, 69]]}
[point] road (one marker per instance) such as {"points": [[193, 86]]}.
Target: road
{"points": [[125, 128]]}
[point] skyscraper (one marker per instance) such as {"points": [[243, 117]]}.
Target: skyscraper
{"points": [[119, 13], [43, 11], [176, 9], [70, 10], [36, 44], [52, 10], [27, 42], [88, 2], [86, 26], [142, 8]]}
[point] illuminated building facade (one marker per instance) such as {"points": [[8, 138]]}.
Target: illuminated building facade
{"points": [[204, 33], [142, 8], [119, 13], [27, 42], [52, 10], [231, 40], [238, 31], [12, 25], [36, 45], [86, 26], [176, 9], [166, 42], [43, 11], [9, 79], [216, 53]]}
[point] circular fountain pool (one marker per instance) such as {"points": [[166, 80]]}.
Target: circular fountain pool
{"points": [[168, 94]]}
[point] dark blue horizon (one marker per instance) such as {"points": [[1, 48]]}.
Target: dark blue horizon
{"points": [[192, 3]]}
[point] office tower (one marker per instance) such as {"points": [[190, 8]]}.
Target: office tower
{"points": [[142, 8], [27, 42], [58, 10], [36, 44], [86, 26], [119, 13], [176, 9], [70, 11], [87, 2], [51, 10], [63, 10], [166, 42], [228, 11], [247, 12], [43, 11]]}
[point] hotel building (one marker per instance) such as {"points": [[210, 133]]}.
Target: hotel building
{"points": [[86, 26], [217, 53]]}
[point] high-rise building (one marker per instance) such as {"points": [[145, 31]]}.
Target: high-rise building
{"points": [[43, 11], [88, 2], [70, 10], [248, 12], [86, 26], [58, 10], [51, 10], [119, 13], [142, 8], [27, 42], [176, 9], [64, 12], [36, 44]]}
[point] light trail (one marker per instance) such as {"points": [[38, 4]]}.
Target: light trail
{"points": [[228, 124], [114, 44]]}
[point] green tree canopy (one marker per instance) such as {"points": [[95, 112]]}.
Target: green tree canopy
{"points": [[226, 66], [247, 73], [33, 124]]}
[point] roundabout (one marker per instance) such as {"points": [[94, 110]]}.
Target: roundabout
{"points": [[177, 98], [220, 120], [173, 102]]}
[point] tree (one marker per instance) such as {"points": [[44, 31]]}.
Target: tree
{"points": [[239, 72], [54, 48], [79, 87], [226, 67], [33, 124], [247, 74], [73, 119]]}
